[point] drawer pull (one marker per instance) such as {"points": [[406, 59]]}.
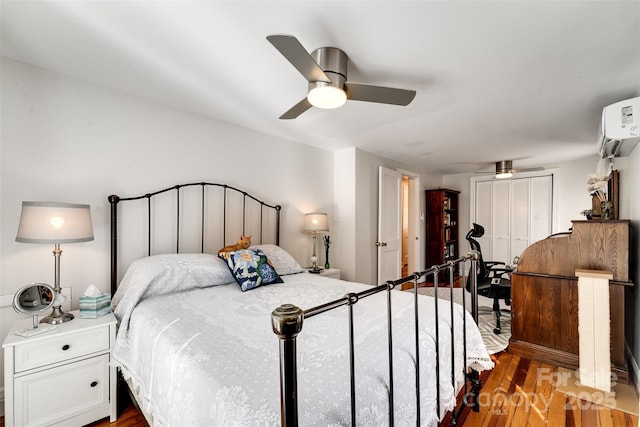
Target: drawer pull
{"points": [[66, 347], [94, 383]]}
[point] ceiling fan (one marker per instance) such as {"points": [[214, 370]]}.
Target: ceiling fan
{"points": [[326, 71], [504, 169]]}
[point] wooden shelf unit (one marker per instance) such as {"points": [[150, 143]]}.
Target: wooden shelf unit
{"points": [[441, 222]]}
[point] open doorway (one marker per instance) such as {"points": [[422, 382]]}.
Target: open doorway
{"points": [[405, 225], [410, 196], [398, 219]]}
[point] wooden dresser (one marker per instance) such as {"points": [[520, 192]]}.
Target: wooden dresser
{"points": [[545, 293]]}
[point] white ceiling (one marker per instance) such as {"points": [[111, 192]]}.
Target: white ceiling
{"points": [[495, 80]]}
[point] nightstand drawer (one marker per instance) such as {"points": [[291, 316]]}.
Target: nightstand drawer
{"points": [[69, 394], [60, 348]]}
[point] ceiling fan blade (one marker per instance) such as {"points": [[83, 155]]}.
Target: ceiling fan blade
{"points": [[527, 169], [512, 170], [298, 56], [296, 110], [384, 95]]}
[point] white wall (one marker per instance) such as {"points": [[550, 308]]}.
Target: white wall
{"points": [[343, 228], [66, 140], [629, 168]]}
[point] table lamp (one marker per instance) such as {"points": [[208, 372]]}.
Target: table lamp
{"points": [[315, 223], [54, 222]]}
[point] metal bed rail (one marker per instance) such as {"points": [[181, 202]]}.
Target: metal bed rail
{"points": [[287, 321]]}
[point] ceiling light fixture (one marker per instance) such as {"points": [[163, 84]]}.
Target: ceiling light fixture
{"points": [[504, 169], [326, 95]]}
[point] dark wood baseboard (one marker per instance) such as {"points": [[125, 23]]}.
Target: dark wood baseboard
{"points": [[559, 358]]}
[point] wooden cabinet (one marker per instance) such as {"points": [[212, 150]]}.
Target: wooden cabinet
{"points": [[544, 293], [61, 377], [442, 237]]}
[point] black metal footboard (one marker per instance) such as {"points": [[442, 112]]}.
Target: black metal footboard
{"points": [[287, 323]]}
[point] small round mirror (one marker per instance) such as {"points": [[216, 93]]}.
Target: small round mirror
{"points": [[33, 299]]}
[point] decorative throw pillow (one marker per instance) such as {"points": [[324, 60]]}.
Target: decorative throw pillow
{"points": [[250, 268]]}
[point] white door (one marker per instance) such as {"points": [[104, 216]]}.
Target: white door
{"points": [[501, 221], [520, 218], [483, 216], [389, 225]]}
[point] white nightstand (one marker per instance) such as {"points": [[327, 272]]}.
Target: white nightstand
{"points": [[331, 272], [62, 376]]}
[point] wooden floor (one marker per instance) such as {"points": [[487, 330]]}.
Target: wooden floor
{"points": [[518, 393], [521, 392], [130, 417]]}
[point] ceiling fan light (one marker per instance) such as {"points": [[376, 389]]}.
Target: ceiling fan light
{"points": [[327, 97], [503, 175], [504, 169]]}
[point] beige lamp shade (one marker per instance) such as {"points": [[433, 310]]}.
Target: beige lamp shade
{"points": [[316, 223], [54, 222]]}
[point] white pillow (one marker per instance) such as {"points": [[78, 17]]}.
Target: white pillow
{"points": [[167, 273], [280, 259]]}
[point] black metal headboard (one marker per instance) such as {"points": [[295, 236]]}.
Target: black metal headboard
{"points": [[245, 198]]}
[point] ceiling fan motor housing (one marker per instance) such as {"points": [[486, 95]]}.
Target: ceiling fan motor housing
{"points": [[333, 62], [504, 166]]}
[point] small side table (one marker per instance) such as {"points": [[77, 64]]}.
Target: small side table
{"points": [[334, 273], [61, 376]]}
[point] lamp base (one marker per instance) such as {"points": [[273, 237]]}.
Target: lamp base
{"points": [[315, 270], [57, 317]]}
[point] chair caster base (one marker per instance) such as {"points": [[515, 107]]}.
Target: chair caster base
{"points": [[497, 331]]}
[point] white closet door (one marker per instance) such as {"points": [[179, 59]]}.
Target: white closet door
{"points": [[483, 217], [501, 238], [520, 217], [541, 207], [515, 214]]}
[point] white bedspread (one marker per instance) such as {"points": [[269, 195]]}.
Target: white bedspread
{"points": [[208, 357]]}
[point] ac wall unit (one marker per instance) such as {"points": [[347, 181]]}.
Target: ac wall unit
{"points": [[619, 131]]}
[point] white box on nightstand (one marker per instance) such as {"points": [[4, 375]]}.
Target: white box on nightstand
{"points": [[62, 376], [331, 272]]}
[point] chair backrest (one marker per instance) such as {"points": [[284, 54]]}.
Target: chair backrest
{"points": [[477, 231]]}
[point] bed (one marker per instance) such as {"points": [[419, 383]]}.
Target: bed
{"points": [[195, 349]]}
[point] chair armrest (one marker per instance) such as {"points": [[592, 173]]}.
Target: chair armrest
{"points": [[500, 270], [492, 264]]}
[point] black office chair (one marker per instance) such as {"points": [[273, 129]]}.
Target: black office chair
{"points": [[494, 278]]}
